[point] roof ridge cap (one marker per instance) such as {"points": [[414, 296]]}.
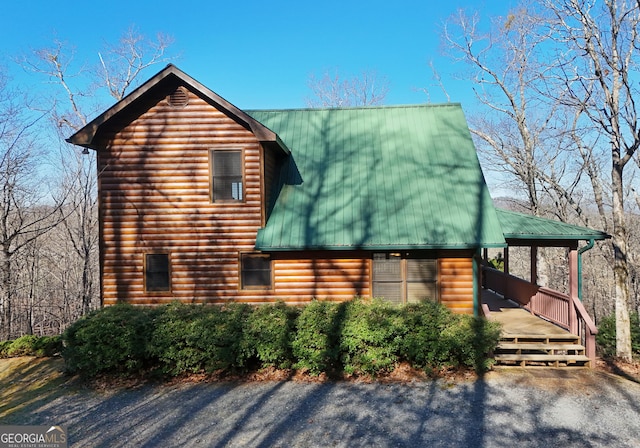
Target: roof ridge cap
{"points": [[390, 106]]}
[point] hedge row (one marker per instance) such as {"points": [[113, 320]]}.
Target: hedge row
{"points": [[353, 338]]}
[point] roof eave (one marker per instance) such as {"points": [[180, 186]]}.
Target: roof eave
{"points": [[583, 237], [380, 248]]}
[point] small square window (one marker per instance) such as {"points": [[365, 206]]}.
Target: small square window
{"points": [[157, 272], [226, 178], [256, 271]]}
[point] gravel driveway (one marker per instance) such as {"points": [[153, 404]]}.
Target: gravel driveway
{"points": [[523, 408]]}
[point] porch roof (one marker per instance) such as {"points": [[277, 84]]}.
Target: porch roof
{"points": [[521, 227]]}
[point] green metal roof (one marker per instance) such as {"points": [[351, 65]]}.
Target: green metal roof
{"points": [[526, 227], [379, 178]]}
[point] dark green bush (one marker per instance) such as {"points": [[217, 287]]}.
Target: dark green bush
{"points": [[30, 345], [469, 340], [4, 346], [113, 339], [268, 335], [438, 338], [316, 342], [371, 337], [198, 338], [175, 339], [356, 338], [423, 345], [606, 337]]}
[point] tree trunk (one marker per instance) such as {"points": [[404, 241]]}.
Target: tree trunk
{"points": [[6, 289], [87, 286], [543, 268], [620, 267]]}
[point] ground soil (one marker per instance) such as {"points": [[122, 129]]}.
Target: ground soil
{"points": [[527, 407], [48, 373]]}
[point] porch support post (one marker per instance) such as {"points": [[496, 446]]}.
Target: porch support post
{"points": [[506, 260], [573, 288], [534, 265]]}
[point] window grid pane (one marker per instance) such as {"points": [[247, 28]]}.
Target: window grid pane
{"points": [[415, 283], [256, 271], [157, 276], [227, 175]]}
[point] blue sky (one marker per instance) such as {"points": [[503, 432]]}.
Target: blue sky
{"points": [[259, 54]]}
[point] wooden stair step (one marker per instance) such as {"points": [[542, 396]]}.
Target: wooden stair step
{"points": [[539, 346], [545, 339], [559, 336], [557, 360]]}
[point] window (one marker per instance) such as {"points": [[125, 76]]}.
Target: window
{"points": [[400, 279], [226, 175], [255, 271], [156, 272], [387, 277], [421, 280]]}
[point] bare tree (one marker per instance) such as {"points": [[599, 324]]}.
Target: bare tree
{"points": [[556, 82], [332, 90], [78, 93], [515, 130], [24, 213], [506, 64], [122, 63], [598, 67]]}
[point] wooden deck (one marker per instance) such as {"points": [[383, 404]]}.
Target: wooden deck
{"points": [[528, 340], [516, 320]]}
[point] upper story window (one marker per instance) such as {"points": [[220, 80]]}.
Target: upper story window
{"points": [[227, 181]]}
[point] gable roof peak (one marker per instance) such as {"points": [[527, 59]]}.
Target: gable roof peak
{"points": [[85, 136]]}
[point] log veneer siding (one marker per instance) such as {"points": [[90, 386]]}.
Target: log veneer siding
{"points": [[155, 197], [456, 284], [154, 187]]}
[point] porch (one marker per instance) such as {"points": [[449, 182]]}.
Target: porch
{"points": [[540, 326]]}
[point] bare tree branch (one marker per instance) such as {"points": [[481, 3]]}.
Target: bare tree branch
{"points": [[331, 90]]}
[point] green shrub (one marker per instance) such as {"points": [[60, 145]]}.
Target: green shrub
{"points": [[268, 335], [39, 346], [468, 340], [30, 345], [113, 339], [174, 339], [606, 337], [316, 342], [436, 338], [4, 347], [199, 338], [370, 338], [423, 346], [356, 338]]}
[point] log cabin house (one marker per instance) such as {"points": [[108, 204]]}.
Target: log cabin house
{"points": [[202, 202]]}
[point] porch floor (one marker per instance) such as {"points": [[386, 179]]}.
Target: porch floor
{"points": [[516, 320]]}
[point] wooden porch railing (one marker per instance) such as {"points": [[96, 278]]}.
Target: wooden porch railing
{"points": [[563, 310]]}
